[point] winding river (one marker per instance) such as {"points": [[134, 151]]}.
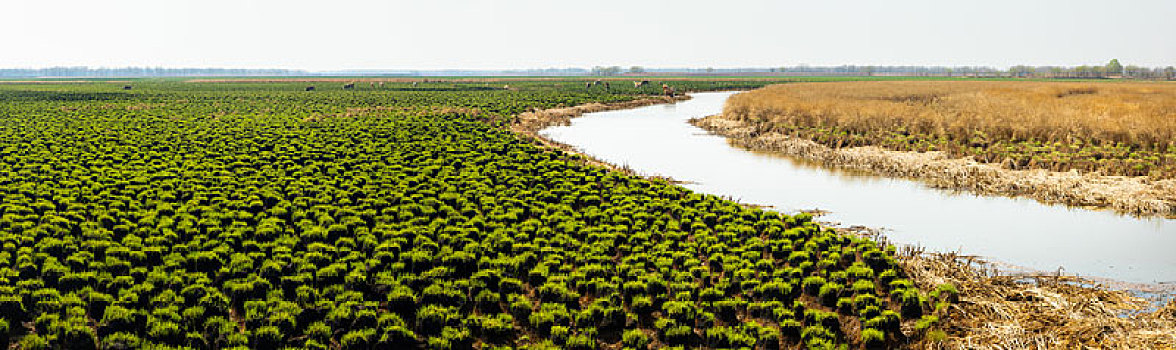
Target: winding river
{"points": [[657, 140]]}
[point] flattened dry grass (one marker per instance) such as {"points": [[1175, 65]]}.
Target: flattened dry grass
{"points": [[1114, 128], [999, 312]]}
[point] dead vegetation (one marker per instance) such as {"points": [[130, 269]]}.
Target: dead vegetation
{"points": [[998, 311]]}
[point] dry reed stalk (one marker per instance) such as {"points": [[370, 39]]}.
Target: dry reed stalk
{"points": [[1129, 195], [997, 312]]}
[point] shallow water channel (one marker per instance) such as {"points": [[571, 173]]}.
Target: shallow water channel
{"points": [[657, 140]]}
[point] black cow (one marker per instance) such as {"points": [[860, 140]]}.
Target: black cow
{"points": [[349, 86], [126, 87], [309, 88]]}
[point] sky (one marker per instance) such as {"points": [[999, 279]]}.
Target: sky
{"points": [[479, 34]]}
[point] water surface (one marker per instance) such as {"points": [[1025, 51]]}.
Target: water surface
{"points": [[657, 140]]}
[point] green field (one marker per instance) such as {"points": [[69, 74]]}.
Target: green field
{"points": [[259, 215]]}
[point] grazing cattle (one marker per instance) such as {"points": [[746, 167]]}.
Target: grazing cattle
{"points": [[606, 86], [667, 90], [381, 85], [309, 88], [596, 83], [414, 84], [349, 86], [506, 87], [372, 85], [126, 87], [640, 84], [588, 85]]}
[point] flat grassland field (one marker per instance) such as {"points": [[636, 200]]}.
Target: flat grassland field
{"points": [[260, 215], [1114, 128]]}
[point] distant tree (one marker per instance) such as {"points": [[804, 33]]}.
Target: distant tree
{"points": [[601, 70], [1169, 72], [1114, 67], [1100, 71], [636, 69], [710, 70]]}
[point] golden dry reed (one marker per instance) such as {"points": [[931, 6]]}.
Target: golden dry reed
{"points": [[1116, 128]]}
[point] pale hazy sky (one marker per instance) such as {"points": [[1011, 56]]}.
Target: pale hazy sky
{"points": [[431, 34]]}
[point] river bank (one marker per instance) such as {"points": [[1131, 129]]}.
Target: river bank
{"points": [[1122, 194]]}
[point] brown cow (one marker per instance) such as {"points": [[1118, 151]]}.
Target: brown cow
{"points": [[667, 90]]}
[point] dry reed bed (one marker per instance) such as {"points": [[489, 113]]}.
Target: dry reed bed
{"points": [[1111, 128], [998, 312]]}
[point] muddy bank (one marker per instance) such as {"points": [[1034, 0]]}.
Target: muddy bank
{"points": [[1129, 195]]}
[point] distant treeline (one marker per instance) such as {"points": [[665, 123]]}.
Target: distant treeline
{"points": [[1112, 69], [87, 72]]}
